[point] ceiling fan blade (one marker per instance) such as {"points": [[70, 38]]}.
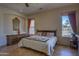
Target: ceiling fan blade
{"points": [[26, 4]]}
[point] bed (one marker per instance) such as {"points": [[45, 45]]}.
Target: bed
{"points": [[42, 41]]}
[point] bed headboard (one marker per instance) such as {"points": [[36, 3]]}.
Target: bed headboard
{"points": [[47, 31]]}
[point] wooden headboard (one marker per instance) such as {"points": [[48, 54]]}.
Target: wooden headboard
{"points": [[48, 31]]}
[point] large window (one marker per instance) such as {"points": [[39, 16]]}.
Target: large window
{"points": [[66, 27], [32, 27]]}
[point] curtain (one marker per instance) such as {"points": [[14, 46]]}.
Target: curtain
{"points": [[24, 24], [72, 18], [18, 26], [29, 22]]}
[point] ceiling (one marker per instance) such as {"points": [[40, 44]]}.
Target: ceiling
{"points": [[33, 7]]}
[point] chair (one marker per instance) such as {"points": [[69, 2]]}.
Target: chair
{"points": [[74, 41]]}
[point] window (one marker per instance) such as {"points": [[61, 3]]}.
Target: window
{"points": [[32, 27], [66, 27]]}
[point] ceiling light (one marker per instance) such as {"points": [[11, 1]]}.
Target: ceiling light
{"points": [[40, 8]]}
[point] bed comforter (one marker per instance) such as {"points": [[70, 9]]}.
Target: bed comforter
{"points": [[39, 43]]}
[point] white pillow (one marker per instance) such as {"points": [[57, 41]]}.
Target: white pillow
{"points": [[50, 34], [39, 33]]}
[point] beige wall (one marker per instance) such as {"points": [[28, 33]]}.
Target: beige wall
{"points": [[51, 20], [2, 38], [6, 25]]}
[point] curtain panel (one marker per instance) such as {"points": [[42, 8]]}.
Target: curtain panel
{"points": [[29, 22], [72, 18]]}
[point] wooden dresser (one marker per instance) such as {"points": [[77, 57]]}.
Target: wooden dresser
{"points": [[14, 39]]}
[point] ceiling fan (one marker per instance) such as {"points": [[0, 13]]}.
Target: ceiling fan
{"points": [[27, 5]]}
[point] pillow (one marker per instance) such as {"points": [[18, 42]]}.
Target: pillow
{"points": [[44, 33], [50, 34], [39, 33]]}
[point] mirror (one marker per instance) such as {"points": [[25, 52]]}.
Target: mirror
{"points": [[15, 24]]}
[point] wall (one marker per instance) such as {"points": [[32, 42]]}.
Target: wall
{"points": [[2, 38], [51, 20], [6, 25]]}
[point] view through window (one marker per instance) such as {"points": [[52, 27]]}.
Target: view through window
{"points": [[32, 27], [66, 27]]}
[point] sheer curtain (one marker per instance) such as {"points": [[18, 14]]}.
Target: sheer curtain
{"points": [[29, 22], [72, 19], [31, 26]]}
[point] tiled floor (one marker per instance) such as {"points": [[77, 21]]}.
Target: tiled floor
{"points": [[15, 51]]}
